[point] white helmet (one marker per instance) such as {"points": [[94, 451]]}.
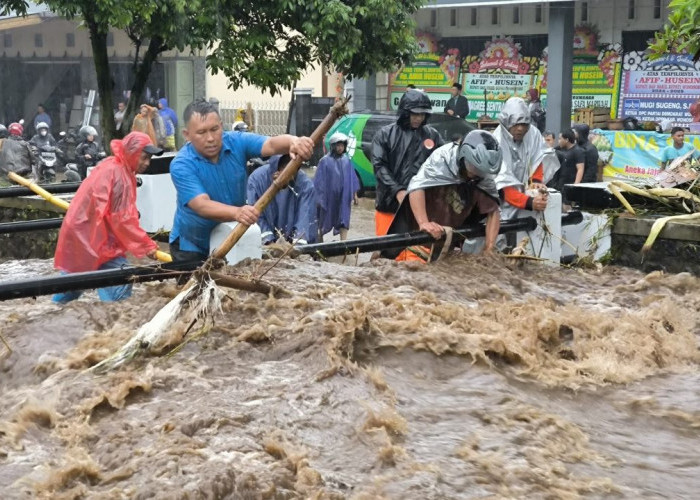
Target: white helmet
{"points": [[240, 126], [86, 131], [338, 137], [42, 125]]}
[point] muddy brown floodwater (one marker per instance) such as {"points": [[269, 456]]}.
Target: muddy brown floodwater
{"points": [[469, 378]]}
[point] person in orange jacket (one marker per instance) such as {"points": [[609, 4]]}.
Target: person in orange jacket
{"points": [[523, 171], [144, 122]]}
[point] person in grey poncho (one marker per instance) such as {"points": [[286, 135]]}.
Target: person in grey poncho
{"points": [[455, 186], [526, 164]]}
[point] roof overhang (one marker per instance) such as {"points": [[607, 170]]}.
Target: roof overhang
{"points": [[10, 23], [35, 15]]}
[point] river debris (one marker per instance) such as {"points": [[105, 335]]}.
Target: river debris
{"points": [[200, 300], [8, 351], [674, 191]]}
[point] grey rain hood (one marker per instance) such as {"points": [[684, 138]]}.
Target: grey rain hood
{"points": [[520, 160], [441, 169]]}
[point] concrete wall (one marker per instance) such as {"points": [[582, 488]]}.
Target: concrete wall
{"points": [[217, 86], [610, 16], [39, 70], [54, 32]]}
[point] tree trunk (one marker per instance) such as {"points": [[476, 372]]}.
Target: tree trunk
{"points": [[98, 40], [141, 74]]}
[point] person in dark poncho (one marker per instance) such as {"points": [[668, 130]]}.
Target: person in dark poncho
{"points": [[336, 187], [590, 169], [398, 151]]}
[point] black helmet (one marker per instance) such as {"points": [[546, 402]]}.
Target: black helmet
{"points": [[480, 150], [3, 132], [415, 101], [240, 126], [630, 123]]}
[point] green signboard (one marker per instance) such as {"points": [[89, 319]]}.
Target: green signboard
{"points": [[492, 90]]}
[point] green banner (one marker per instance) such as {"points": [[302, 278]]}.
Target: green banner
{"points": [[493, 90], [425, 72], [594, 85]]}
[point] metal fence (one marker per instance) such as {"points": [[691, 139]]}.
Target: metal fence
{"points": [[263, 117]]}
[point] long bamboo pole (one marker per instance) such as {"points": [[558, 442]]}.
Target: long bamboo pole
{"points": [[160, 255], [39, 190], [339, 109]]}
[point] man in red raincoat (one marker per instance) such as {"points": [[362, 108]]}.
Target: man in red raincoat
{"points": [[102, 223]]}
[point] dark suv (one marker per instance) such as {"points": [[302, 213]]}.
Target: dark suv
{"points": [[364, 125]]}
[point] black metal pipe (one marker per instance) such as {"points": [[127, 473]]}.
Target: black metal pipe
{"points": [[58, 188], [48, 285], [30, 225], [391, 241], [97, 279], [571, 218]]}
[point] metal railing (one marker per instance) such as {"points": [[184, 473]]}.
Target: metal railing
{"points": [[263, 117]]}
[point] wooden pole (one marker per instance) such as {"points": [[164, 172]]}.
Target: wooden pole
{"points": [[339, 109]]}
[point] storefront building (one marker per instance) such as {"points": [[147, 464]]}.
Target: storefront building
{"points": [[577, 54]]}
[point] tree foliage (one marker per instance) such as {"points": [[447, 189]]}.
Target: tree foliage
{"points": [[269, 44], [8, 7], [265, 43], [681, 33]]}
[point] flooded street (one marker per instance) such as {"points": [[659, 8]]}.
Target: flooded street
{"points": [[469, 378]]}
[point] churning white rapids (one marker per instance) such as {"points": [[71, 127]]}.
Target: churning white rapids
{"points": [[469, 378]]}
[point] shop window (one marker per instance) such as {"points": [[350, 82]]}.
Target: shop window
{"points": [[433, 18], [538, 13], [584, 12], [7, 40], [70, 39], [110, 39], [473, 16], [657, 9], [494, 15], [38, 40], [453, 17], [516, 15], [631, 9]]}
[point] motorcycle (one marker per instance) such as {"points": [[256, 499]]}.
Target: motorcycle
{"points": [[47, 159], [67, 142], [84, 164]]}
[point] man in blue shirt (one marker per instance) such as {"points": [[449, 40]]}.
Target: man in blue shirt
{"points": [[41, 116], [678, 148], [209, 174]]}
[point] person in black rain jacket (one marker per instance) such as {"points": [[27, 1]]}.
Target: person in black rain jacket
{"points": [[398, 151]]}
